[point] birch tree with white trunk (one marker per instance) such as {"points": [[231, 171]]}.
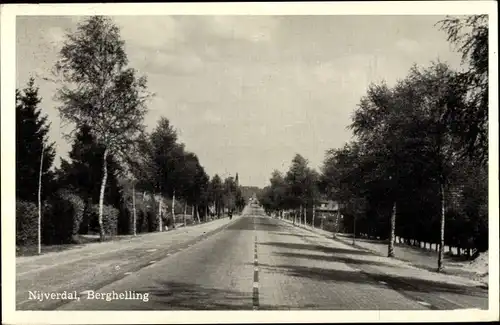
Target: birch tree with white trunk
{"points": [[99, 90]]}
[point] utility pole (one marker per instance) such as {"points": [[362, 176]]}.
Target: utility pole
{"points": [[133, 209], [40, 203], [173, 210]]}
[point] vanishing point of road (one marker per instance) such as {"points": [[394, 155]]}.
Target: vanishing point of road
{"points": [[252, 262]]}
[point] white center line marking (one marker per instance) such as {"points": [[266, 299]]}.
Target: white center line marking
{"points": [[255, 284], [256, 269]]}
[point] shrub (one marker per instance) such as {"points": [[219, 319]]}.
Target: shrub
{"points": [[63, 215], [26, 223], [142, 224], [168, 221], [125, 218], [109, 218]]}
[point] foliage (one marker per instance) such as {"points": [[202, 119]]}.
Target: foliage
{"points": [[110, 218], [62, 218], [31, 135], [98, 91], [470, 36], [26, 223]]}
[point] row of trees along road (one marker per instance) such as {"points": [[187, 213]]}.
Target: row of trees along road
{"points": [[118, 178], [417, 166]]}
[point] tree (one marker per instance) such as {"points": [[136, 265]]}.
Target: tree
{"points": [[166, 151], [470, 123], [312, 190], [217, 193], [344, 180], [296, 180], [82, 173], [437, 92], [377, 123], [229, 193], [100, 91], [31, 137], [195, 182], [407, 135], [240, 200]]}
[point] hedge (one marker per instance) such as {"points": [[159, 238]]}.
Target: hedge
{"points": [[109, 218], [62, 217], [26, 223]]}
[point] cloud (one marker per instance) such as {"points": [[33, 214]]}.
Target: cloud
{"points": [[408, 45], [250, 28], [211, 117], [152, 32], [240, 87], [56, 34]]}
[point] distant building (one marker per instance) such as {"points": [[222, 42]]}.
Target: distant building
{"points": [[328, 215]]}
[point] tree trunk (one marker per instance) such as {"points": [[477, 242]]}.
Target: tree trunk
{"points": [[192, 212], [393, 232], [134, 212], [197, 213], [159, 213], [354, 231], [173, 210], [40, 203], [101, 194], [441, 246], [185, 212], [314, 215]]}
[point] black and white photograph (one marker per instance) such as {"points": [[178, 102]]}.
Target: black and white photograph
{"points": [[253, 161]]}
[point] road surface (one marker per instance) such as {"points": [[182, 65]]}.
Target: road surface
{"points": [[251, 262]]}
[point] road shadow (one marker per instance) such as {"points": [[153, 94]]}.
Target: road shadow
{"points": [[315, 247], [333, 258], [292, 235], [190, 296], [254, 223], [403, 283]]}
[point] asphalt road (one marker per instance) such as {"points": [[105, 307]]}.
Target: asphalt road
{"points": [[251, 262]]}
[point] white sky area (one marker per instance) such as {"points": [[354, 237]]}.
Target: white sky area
{"points": [[248, 92]]}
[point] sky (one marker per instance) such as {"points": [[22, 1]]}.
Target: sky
{"points": [[246, 93]]}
